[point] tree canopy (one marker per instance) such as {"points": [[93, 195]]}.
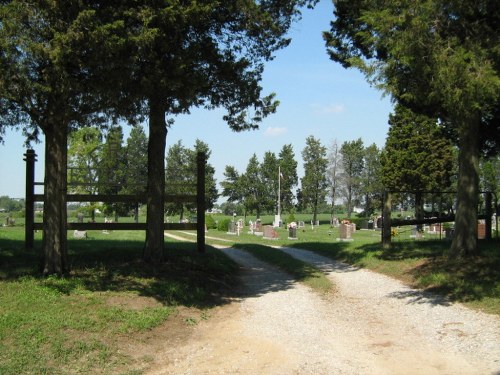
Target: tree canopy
{"points": [[437, 57], [161, 58], [314, 182]]}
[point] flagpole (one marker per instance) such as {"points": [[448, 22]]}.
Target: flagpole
{"points": [[279, 191]]}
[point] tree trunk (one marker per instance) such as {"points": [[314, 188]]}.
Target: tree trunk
{"points": [[155, 241], [54, 207], [465, 236]]}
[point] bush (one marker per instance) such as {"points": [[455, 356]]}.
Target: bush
{"points": [[290, 219], [210, 222], [223, 225], [359, 221]]}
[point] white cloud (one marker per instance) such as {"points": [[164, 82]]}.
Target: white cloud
{"points": [[328, 109], [274, 131]]}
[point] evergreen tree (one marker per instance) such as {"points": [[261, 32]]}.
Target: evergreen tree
{"points": [[289, 178], [211, 193], [269, 178], [439, 58], [417, 156], [232, 185], [371, 180], [352, 168], [179, 176], [314, 182], [334, 172], [112, 171], [136, 161], [253, 189]]}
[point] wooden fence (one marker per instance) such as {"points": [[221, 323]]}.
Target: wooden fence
{"points": [[199, 199], [388, 222]]}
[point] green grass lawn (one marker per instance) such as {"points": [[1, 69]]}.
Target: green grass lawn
{"points": [[77, 323]]}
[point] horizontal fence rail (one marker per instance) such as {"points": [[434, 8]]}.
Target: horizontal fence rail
{"points": [[198, 198], [122, 226], [125, 198]]}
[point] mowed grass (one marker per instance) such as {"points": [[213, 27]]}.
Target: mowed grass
{"points": [[78, 323], [474, 281]]}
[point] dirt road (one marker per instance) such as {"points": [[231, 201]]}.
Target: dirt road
{"points": [[372, 325]]}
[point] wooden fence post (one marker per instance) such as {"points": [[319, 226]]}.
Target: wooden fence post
{"points": [[386, 220], [200, 202], [489, 214], [29, 230]]}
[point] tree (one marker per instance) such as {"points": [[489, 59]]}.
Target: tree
{"points": [[352, 167], [289, 178], [211, 193], [10, 204], [269, 179], [440, 58], [180, 177], [231, 186], [84, 146], [490, 175], [252, 187], [195, 53], [371, 180], [136, 161], [314, 183], [417, 156], [112, 170], [44, 88], [334, 172]]}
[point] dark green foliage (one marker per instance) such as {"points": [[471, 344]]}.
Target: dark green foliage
{"points": [[352, 168], [426, 56], [210, 222], [417, 156], [223, 225], [289, 178], [314, 182]]}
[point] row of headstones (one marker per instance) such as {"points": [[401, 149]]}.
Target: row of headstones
{"points": [[256, 228]]}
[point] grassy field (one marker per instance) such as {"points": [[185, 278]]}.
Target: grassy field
{"points": [[82, 323]]}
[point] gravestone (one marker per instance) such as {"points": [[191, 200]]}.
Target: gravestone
{"points": [[292, 231], [345, 232], [334, 222], [80, 234], [270, 232], [258, 226], [231, 228], [79, 217], [301, 224]]}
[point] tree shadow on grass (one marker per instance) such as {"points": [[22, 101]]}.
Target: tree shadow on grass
{"points": [[186, 277], [471, 279], [467, 280], [340, 251]]}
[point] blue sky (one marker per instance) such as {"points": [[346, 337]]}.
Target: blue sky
{"points": [[318, 97]]}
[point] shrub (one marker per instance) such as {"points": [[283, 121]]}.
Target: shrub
{"points": [[210, 222], [223, 225], [290, 218]]}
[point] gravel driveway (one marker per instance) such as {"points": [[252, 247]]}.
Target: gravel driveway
{"points": [[373, 325]]}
